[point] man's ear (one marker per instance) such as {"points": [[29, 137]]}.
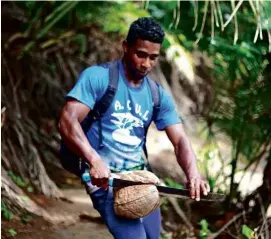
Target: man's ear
{"points": [[125, 46]]}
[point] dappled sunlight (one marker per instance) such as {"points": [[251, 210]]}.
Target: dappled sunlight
{"points": [[181, 59]]}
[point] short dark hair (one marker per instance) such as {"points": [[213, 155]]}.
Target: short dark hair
{"points": [[145, 28]]}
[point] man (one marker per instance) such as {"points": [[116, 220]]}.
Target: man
{"points": [[124, 127]]}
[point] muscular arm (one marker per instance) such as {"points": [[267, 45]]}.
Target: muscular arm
{"points": [[73, 135], [187, 160], [71, 131], [184, 153]]}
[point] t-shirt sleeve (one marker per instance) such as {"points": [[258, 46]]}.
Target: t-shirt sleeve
{"points": [[167, 114], [90, 87]]}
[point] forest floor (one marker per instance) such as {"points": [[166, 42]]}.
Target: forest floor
{"points": [[74, 219]]}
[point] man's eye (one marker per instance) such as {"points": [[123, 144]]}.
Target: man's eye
{"points": [[141, 55], [153, 58]]}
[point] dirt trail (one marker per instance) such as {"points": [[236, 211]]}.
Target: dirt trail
{"points": [[92, 227], [74, 220]]}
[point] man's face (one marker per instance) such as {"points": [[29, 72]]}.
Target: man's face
{"points": [[141, 57]]}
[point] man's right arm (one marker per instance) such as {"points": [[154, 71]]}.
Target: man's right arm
{"points": [[74, 137]]}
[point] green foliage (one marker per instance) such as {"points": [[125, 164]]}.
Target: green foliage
{"points": [[12, 232], [248, 232], [210, 163], [30, 189], [82, 41], [5, 212], [240, 81], [164, 205], [19, 181], [164, 237], [119, 16], [25, 198], [27, 218], [48, 21], [204, 232], [169, 182]]}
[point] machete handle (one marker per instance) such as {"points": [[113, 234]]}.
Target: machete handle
{"points": [[86, 178]]}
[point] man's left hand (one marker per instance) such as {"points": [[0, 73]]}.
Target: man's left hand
{"points": [[197, 186]]}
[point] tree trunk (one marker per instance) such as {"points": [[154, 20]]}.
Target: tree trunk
{"points": [[17, 200], [261, 196]]}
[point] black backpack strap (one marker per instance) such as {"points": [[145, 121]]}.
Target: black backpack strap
{"points": [[154, 87], [72, 162], [103, 104]]}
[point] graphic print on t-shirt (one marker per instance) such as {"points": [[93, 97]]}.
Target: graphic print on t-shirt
{"points": [[128, 120], [125, 124]]}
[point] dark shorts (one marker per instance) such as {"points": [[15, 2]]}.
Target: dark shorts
{"points": [[145, 228]]}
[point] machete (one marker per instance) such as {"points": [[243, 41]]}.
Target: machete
{"points": [[163, 190]]}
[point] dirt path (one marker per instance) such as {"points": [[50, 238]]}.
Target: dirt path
{"points": [[88, 223], [73, 220]]}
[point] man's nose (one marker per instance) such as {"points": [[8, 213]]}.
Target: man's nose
{"points": [[146, 63]]}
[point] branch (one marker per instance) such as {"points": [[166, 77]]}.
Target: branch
{"points": [[235, 218], [178, 13], [179, 211], [233, 13], [174, 17], [259, 19], [256, 15], [203, 21], [212, 21], [196, 8], [147, 4], [269, 39], [264, 216], [220, 15], [215, 12], [235, 24]]}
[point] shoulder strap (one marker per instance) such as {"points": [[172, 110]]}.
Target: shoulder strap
{"points": [[103, 104], [154, 87], [155, 97], [70, 160]]}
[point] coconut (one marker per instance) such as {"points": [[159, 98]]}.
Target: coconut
{"points": [[139, 200]]}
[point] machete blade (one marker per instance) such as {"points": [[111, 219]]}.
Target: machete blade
{"points": [[168, 191]]}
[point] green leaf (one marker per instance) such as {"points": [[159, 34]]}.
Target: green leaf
{"points": [[30, 189], [82, 41], [156, 12], [12, 232], [46, 29], [166, 44], [204, 224], [212, 181], [8, 215], [172, 184], [25, 198], [20, 182], [3, 205], [27, 218], [59, 9], [247, 232], [204, 229]]}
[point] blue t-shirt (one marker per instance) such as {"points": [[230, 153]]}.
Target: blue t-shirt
{"points": [[123, 123]]}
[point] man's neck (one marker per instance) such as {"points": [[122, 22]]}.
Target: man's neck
{"points": [[134, 82]]}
